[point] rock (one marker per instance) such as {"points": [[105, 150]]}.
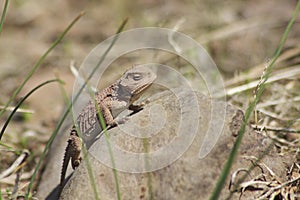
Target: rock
{"points": [[174, 167]]}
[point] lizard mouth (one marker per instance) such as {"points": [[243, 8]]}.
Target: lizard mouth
{"points": [[138, 92], [140, 89]]}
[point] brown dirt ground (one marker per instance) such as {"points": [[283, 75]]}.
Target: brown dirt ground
{"points": [[241, 36]]}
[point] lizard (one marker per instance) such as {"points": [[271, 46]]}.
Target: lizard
{"points": [[111, 101]]}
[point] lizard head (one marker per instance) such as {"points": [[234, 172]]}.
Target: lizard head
{"points": [[135, 81]]}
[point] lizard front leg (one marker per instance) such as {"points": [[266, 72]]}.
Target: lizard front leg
{"points": [[107, 114], [110, 109], [138, 107]]}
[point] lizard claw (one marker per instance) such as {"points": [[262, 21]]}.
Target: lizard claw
{"points": [[122, 120], [116, 122]]}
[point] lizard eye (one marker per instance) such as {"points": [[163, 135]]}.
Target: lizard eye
{"points": [[136, 76]]}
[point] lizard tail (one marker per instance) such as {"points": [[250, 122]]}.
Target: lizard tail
{"points": [[65, 164], [72, 151]]}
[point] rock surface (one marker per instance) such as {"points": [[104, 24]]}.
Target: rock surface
{"points": [[187, 176]]}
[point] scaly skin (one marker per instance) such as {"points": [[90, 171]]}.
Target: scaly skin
{"points": [[111, 102]]}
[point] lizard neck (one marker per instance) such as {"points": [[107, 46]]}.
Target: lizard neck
{"points": [[122, 93]]}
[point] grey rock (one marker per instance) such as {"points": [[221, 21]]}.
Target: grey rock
{"points": [[178, 171]]}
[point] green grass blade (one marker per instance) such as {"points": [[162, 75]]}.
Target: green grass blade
{"points": [[6, 146], [63, 91], [100, 116], [65, 114], [226, 170], [84, 150], [53, 135], [102, 123], [40, 61], [21, 102], [3, 16], [91, 174], [147, 164]]}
